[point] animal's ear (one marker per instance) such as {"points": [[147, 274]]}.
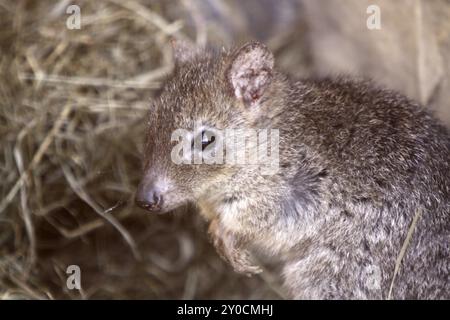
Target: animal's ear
{"points": [[250, 72], [183, 51]]}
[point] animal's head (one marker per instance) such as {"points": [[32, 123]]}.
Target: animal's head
{"points": [[208, 92]]}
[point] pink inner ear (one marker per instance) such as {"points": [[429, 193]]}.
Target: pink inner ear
{"points": [[249, 85], [250, 72]]}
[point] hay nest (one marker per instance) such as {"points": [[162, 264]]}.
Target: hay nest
{"points": [[72, 110]]}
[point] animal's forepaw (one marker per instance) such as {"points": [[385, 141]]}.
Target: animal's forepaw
{"points": [[229, 248], [241, 262]]}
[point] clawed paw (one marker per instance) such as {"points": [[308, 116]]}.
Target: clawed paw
{"points": [[229, 247]]}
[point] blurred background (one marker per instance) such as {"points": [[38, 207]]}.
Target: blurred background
{"points": [[73, 104]]}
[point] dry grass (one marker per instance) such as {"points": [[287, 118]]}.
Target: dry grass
{"points": [[72, 113]]}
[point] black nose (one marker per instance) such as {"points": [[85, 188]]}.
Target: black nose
{"points": [[148, 197]]}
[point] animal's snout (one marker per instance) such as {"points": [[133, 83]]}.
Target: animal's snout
{"points": [[149, 197]]}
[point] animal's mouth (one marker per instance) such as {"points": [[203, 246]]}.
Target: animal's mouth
{"points": [[159, 206], [152, 207]]}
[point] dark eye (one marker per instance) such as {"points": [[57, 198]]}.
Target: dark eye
{"points": [[207, 139]]}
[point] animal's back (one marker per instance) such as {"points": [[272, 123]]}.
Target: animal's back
{"points": [[382, 161]]}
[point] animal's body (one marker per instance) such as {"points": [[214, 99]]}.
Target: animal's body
{"points": [[357, 164]]}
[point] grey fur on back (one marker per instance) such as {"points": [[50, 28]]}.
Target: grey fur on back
{"points": [[374, 159]]}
